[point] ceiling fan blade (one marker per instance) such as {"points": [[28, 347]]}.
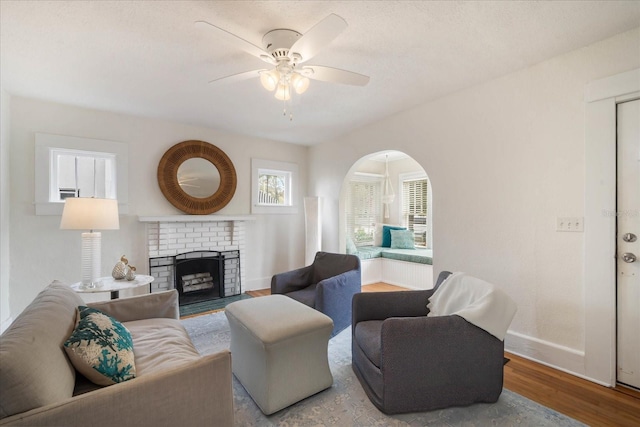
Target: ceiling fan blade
{"points": [[237, 41], [334, 75], [319, 36], [238, 77]]}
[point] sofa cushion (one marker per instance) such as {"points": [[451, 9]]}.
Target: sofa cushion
{"points": [[101, 348], [369, 252], [418, 256], [160, 344], [368, 335], [34, 367]]}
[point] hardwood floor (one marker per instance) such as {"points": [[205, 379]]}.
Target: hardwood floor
{"points": [[590, 403], [583, 400]]}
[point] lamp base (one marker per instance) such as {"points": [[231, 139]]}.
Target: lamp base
{"points": [[91, 259]]}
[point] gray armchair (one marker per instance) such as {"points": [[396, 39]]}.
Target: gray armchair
{"points": [[408, 362], [328, 285]]}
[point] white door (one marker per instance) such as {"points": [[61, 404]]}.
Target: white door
{"points": [[628, 243]]}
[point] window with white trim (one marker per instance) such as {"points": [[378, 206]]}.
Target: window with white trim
{"points": [[76, 173], [364, 208], [273, 188], [415, 208], [69, 166]]}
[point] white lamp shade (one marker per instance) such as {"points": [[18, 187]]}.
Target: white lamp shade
{"points": [[300, 83], [283, 92], [83, 213], [269, 79]]}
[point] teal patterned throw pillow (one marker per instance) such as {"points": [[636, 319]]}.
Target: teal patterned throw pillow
{"points": [[101, 348], [402, 239]]}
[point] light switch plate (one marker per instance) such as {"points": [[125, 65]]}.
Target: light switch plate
{"points": [[570, 224]]}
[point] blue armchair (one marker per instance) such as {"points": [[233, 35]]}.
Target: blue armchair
{"points": [[328, 285]]}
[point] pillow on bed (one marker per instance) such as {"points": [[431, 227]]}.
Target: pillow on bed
{"points": [[402, 239], [386, 234]]}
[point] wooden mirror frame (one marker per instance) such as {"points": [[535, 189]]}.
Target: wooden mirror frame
{"points": [[168, 177]]}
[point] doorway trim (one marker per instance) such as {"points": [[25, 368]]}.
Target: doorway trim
{"points": [[601, 97]]}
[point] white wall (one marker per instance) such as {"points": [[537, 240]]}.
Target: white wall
{"points": [[505, 158], [5, 191], [40, 252]]}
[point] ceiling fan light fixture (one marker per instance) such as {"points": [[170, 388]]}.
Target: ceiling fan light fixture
{"points": [[287, 50], [300, 83], [269, 79], [283, 92]]}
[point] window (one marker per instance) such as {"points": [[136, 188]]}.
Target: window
{"points": [[68, 166], [77, 173], [273, 187], [364, 208], [415, 210]]}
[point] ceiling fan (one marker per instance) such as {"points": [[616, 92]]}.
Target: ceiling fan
{"points": [[285, 50]]}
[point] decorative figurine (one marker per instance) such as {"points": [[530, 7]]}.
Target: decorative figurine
{"points": [[131, 273], [119, 271]]}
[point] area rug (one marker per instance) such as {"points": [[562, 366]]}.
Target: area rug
{"points": [[346, 404]]}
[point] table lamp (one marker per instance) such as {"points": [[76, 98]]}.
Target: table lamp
{"points": [[81, 213]]}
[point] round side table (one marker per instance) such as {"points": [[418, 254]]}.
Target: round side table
{"points": [[109, 284]]}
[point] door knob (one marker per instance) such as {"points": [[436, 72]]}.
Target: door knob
{"points": [[629, 237], [628, 257]]}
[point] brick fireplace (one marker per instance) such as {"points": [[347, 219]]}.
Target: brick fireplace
{"points": [[186, 236]]}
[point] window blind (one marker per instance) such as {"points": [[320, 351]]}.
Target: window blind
{"points": [[364, 209], [414, 208]]}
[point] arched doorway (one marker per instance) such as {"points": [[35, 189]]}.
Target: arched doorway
{"points": [[395, 178]]}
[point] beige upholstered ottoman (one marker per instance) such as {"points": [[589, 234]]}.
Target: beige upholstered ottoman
{"points": [[279, 350]]}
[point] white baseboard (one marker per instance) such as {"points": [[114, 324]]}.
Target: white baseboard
{"points": [[555, 356], [5, 324], [257, 284]]}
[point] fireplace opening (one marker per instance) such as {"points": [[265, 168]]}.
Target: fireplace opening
{"points": [[198, 276]]}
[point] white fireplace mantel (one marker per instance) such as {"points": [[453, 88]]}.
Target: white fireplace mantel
{"points": [[196, 218], [172, 235]]}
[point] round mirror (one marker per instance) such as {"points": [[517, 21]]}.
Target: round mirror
{"points": [[197, 177]]}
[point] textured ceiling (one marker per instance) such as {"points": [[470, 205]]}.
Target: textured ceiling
{"points": [[148, 58]]}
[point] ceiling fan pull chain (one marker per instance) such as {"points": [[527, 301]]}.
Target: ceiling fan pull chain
{"points": [[290, 105]]}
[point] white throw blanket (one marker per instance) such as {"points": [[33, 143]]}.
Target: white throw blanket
{"points": [[476, 301]]}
